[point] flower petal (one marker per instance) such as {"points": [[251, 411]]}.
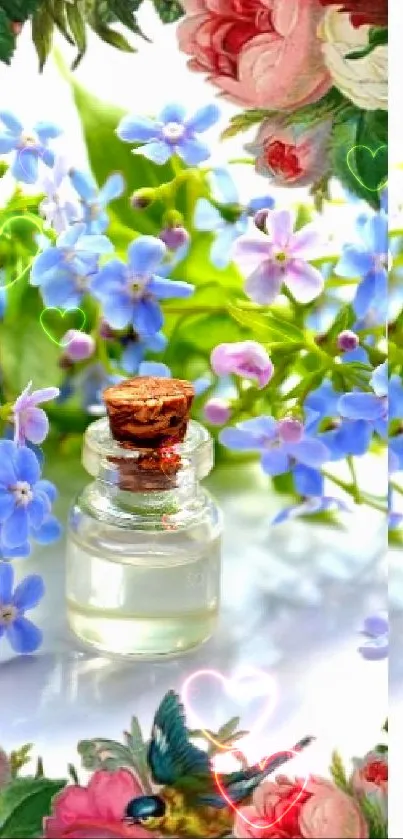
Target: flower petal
{"points": [[28, 593], [24, 636], [204, 118], [47, 131], [279, 225], [11, 122], [308, 481], [48, 488], [154, 368], [137, 129], [159, 152], [84, 184], [354, 262], [235, 438], [49, 531], [303, 281], [192, 151], [275, 462], [35, 425], [165, 289], [225, 186], [173, 112], [6, 583], [309, 452], [112, 188], [14, 531], [221, 249], [26, 465], [145, 255], [7, 504], [147, 317], [8, 451], [7, 142], [264, 284], [365, 406], [305, 241], [206, 217], [25, 166]]}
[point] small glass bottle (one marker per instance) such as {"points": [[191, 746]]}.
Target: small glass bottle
{"points": [[144, 552]]}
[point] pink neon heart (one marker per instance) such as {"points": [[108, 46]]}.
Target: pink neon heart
{"points": [[263, 718], [238, 811]]}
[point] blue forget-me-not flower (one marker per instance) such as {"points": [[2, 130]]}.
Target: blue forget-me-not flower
{"points": [[172, 133], [22, 635], [29, 146], [129, 294], [368, 259], [95, 201], [62, 271]]}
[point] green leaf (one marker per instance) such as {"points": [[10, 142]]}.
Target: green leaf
{"points": [[7, 39], [138, 750], [123, 11], [228, 729], [110, 36], [19, 10], [76, 21], [168, 10], [23, 805], [267, 325], [377, 823], [104, 754], [343, 320], [42, 34], [338, 773], [332, 102], [242, 122], [378, 36]]}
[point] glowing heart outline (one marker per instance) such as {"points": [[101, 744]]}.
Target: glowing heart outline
{"points": [[36, 223], [237, 810], [62, 313], [264, 716], [373, 155]]}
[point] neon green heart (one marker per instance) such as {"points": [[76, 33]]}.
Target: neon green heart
{"points": [[373, 154], [62, 313], [6, 226]]}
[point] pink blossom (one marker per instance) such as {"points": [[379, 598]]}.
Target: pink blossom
{"points": [[78, 345], [291, 155], [96, 811], [31, 422], [260, 53], [313, 809], [279, 258], [371, 775], [217, 411], [245, 358]]}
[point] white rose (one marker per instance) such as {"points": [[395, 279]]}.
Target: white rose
{"points": [[363, 80]]}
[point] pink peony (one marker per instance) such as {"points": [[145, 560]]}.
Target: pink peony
{"points": [[286, 809], [291, 156], [371, 775], [260, 53], [96, 811]]}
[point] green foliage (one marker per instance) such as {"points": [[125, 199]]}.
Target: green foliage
{"points": [[338, 773], [376, 820], [378, 36], [23, 805], [359, 154]]}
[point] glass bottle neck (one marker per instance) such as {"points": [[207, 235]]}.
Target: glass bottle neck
{"points": [[175, 491]]}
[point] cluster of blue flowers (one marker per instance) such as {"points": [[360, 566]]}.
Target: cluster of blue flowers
{"points": [[25, 513]]}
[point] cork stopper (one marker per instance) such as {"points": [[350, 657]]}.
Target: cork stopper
{"points": [[148, 411], [151, 415]]}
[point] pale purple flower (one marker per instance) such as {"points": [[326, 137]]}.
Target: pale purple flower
{"points": [[31, 422], [269, 262], [59, 207], [376, 630], [290, 430], [78, 345], [244, 358], [217, 411]]}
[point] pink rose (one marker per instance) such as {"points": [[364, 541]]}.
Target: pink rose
{"points": [[96, 811], [286, 809], [371, 775], [289, 155], [260, 53]]}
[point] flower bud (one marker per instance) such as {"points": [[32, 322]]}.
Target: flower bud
{"points": [[174, 237], [78, 345], [105, 331], [16, 27], [290, 430], [142, 198], [217, 411], [347, 340], [260, 219]]}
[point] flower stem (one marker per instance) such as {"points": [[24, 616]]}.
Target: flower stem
{"points": [[350, 489]]}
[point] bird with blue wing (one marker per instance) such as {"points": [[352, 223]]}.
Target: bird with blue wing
{"points": [[189, 802]]}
